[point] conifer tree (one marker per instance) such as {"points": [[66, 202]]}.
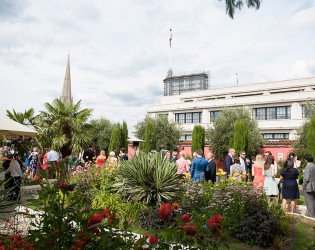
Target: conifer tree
{"points": [[310, 136], [124, 136], [240, 140], [115, 139], [198, 138], [149, 137]]}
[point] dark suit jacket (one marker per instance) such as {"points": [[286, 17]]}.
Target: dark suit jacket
{"points": [[124, 158], [88, 155], [211, 171], [228, 163]]}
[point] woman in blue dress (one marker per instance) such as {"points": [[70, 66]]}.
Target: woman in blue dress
{"points": [[290, 189]]}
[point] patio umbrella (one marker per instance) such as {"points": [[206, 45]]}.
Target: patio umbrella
{"points": [[10, 127]]}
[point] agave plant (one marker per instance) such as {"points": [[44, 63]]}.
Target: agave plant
{"points": [[150, 180]]}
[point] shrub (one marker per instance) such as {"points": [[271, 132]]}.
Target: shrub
{"points": [[150, 180]]}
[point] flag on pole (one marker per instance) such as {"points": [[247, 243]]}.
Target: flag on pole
{"points": [[171, 38]]}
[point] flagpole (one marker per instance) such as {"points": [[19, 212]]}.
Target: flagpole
{"points": [[170, 51]]}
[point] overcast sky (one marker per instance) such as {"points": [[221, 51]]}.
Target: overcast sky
{"points": [[119, 49]]}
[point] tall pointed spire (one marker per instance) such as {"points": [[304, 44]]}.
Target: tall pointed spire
{"points": [[66, 90]]}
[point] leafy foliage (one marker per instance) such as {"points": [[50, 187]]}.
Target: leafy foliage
{"points": [[115, 138], [124, 136], [310, 136], [241, 132], [149, 137], [149, 180], [232, 5], [101, 130], [64, 126], [223, 131], [25, 118], [198, 138], [167, 133]]}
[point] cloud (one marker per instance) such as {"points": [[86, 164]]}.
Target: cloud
{"points": [[119, 50]]}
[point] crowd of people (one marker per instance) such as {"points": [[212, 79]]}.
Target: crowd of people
{"points": [[261, 171], [48, 160]]}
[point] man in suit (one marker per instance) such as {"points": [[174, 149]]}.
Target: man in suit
{"points": [[88, 155], [243, 161], [198, 167], [309, 185], [229, 161], [211, 168], [123, 157], [174, 154]]}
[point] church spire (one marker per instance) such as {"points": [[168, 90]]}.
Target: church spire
{"points": [[66, 90]]}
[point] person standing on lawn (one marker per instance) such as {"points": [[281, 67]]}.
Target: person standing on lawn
{"points": [[309, 185], [290, 189], [198, 167]]}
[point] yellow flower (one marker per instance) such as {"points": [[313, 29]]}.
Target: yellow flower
{"points": [[220, 170], [180, 182], [236, 174], [205, 192], [93, 157], [260, 185], [107, 168], [223, 173], [248, 183], [187, 192], [217, 185], [244, 173], [221, 180], [187, 175], [203, 215], [199, 184], [86, 157], [119, 155], [218, 173]]}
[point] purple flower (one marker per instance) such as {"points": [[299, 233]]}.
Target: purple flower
{"points": [[64, 186], [260, 234]]}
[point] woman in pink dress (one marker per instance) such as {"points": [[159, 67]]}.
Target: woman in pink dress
{"points": [[100, 159], [258, 171], [182, 164]]}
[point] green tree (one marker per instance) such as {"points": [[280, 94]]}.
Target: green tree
{"points": [[222, 132], [310, 136], [124, 136], [115, 139], [198, 138], [149, 137], [232, 5], [25, 118], [240, 140], [101, 130], [167, 133], [64, 126]]}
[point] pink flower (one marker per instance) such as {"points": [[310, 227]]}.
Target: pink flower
{"points": [[83, 179], [96, 175]]}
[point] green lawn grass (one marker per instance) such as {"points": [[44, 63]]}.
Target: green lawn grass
{"points": [[305, 234]]}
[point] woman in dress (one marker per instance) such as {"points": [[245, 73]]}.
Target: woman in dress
{"points": [[236, 169], [100, 159], [33, 162], [258, 171], [290, 188], [112, 159], [270, 184], [182, 164]]}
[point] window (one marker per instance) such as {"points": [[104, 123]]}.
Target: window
{"points": [[276, 136], [162, 115], [195, 117], [273, 113], [185, 137], [214, 114]]}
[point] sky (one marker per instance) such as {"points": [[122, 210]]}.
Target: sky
{"points": [[119, 50]]}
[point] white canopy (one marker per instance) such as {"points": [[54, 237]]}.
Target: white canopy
{"points": [[10, 127]]}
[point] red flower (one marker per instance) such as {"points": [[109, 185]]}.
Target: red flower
{"points": [[215, 224], [105, 213], [95, 219], [57, 231], [189, 229], [165, 211], [186, 218], [153, 239]]}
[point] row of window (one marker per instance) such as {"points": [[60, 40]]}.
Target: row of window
{"points": [[269, 136], [193, 117], [271, 113]]}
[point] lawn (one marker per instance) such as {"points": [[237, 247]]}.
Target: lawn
{"points": [[305, 234]]}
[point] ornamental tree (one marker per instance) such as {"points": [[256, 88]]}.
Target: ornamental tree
{"points": [[198, 138], [310, 136], [240, 138], [124, 136], [149, 137], [115, 139], [222, 131]]}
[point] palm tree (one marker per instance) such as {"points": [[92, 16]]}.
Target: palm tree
{"points": [[231, 5], [64, 126], [25, 118]]}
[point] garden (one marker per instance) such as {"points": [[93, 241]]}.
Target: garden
{"points": [[144, 204]]}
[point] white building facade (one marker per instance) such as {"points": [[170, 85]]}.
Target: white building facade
{"points": [[279, 106]]}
